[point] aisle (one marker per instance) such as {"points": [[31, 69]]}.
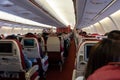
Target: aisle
{"points": [[66, 74]]}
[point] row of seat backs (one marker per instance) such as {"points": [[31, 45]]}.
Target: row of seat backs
{"points": [[11, 54], [12, 60], [53, 47]]}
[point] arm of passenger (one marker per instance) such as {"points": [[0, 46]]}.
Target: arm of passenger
{"points": [[27, 62]]}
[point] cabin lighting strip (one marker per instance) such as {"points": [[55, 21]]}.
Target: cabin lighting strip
{"points": [[37, 4]]}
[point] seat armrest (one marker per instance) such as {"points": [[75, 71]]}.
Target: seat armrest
{"points": [[37, 78], [74, 74], [80, 78], [62, 57], [31, 71]]}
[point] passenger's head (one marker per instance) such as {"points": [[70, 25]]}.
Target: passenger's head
{"points": [[101, 54], [84, 33], [11, 37], [30, 35], [115, 34]]}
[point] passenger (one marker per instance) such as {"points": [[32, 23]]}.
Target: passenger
{"points": [[45, 35], [84, 34], [27, 61], [104, 61]]}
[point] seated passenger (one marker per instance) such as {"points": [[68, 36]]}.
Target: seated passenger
{"points": [[104, 61], [27, 61]]}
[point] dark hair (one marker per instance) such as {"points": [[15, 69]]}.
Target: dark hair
{"points": [[0, 37], [30, 35], [115, 34], [11, 37], [101, 54]]}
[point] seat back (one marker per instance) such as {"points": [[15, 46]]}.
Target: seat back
{"points": [[84, 49], [12, 63], [11, 57], [54, 49], [83, 55], [31, 47]]}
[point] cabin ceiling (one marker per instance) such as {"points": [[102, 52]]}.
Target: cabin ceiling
{"points": [[24, 9], [92, 11], [82, 14]]}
